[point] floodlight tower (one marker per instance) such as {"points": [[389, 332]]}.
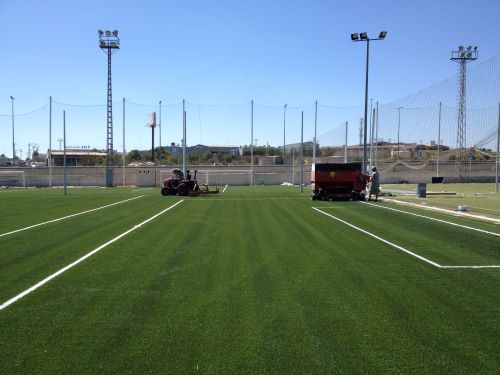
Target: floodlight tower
{"points": [[109, 42], [462, 56], [363, 37]]}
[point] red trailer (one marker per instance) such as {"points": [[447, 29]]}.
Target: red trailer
{"points": [[332, 181]]}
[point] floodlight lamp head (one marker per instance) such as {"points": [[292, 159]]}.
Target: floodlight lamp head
{"points": [[363, 36], [469, 48], [475, 48], [115, 32], [354, 37], [460, 48], [100, 32], [108, 33], [12, 97], [382, 35]]}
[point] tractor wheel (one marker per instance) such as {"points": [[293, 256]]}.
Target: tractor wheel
{"points": [[182, 189], [165, 191]]}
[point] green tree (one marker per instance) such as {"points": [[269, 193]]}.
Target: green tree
{"points": [[132, 156]]}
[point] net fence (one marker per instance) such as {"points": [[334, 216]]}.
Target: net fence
{"points": [[423, 118]]}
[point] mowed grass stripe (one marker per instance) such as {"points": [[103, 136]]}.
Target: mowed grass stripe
{"points": [[50, 221], [239, 285], [439, 242], [40, 205], [259, 287], [28, 257], [79, 260]]}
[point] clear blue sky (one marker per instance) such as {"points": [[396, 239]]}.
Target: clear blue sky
{"points": [[224, 53]]}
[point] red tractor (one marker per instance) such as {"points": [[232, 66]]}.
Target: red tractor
{"points": [[336, 181], [184, 186]]}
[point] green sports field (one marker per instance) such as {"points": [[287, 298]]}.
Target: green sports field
{"points": [[252, 280]]}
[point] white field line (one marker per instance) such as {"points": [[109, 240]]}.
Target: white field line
{"points": [[402, 248], [143, 189], [434, 219], [380, 239], [62, 270], [67, 217], [451, 212], [225, 187]]}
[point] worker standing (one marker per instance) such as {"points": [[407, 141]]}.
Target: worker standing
{"points": [[374, 187]]}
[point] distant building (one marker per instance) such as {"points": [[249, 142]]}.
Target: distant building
{"points": [[74, 157]]}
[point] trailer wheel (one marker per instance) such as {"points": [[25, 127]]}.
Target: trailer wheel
{"points": [[165, 191]]}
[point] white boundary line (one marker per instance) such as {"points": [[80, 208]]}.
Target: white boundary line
{"points": [[143, 189], [67, 217], [434, 219], [62, 270], [401, 248], [380, 239], [443, 210], [225, 187]]}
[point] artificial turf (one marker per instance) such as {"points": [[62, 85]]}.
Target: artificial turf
{"points": [[252, 280]]}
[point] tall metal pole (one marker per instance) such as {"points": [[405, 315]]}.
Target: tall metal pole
{"points": [[315, 128], [498, 151], [251, 143], [365, 153], [50, 141], [184, 168], [64, 157], [153, 143], [376, 136], [13, 141], [439, 141], [123, 152], [302, 154], [109, 41], [363, 37], [462, 56], [159, 123], [345, 145], [399, 125], [372, 131], [110, 162], [284, 128]]}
